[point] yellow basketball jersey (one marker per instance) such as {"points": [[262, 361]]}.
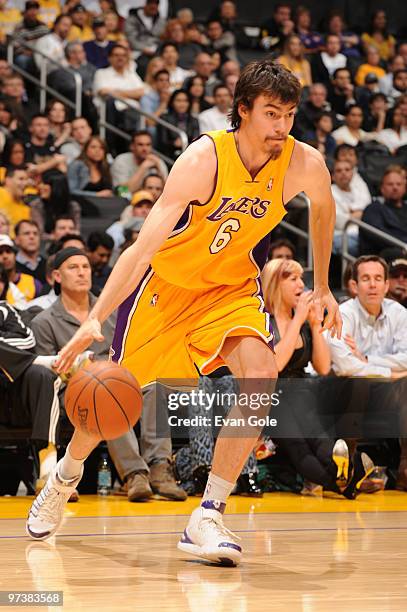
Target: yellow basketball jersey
{"points": [[225, 240]]}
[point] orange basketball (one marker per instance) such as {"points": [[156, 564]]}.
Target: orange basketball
{"points": [[103, 399]]}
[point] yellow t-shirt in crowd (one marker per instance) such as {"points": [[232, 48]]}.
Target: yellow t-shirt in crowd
{"points": [[301, 69], [82, 34], [366, 69], [385, 48], [9, 19], [15, 210], [49, 11]]}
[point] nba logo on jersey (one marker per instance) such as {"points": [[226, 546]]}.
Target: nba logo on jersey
{"points": [[270, 184], [154, 300]]}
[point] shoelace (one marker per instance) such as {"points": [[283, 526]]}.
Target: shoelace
{"points": [[221, 530], [49, 504]]}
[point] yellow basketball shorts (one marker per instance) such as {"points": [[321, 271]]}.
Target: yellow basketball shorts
{"points": [[165, 331]]}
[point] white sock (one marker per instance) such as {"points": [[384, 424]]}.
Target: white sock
{"points": [[69, 467], [45, 360], [217, 490], [48, 463]]}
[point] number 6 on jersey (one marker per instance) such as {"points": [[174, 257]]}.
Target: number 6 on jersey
{"points": [[223, 235]]}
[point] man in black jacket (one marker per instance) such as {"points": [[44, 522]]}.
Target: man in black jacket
{"points": [[388, 213]]}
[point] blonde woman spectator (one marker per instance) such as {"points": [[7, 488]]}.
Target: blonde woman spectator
{"points": [[10, 17], [293, 58], [153, 66], [4, 223], [114, 30]]}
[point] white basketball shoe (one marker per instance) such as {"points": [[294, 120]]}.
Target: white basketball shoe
{"points": [[206, 537], [47, 511]]}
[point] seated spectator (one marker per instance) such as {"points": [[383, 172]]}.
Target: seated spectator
{"points": [[54, 199], [386, 82], [220, 40], [169, 54], [375, 115], [298, 341], [21, 287], [143, 28], [341, 92], [54, 327], [153, 66], [293, 59], [203, 67], [349, 205], [179, 115], [41, 153], [398, 281], [97, 50], [130, 169], [59, 124], [227, 15], [30, 29], [64, 81], [372, 66], [80, 30], [217, 117], [99, 250], [113, 26], [80, 134], [11, 196], [63, 224], [345, 152], [373, 342], [351, 133], [349, 40], [53, 44], [311, 109], [28, 258], [29, 388], [321, 137], [13, 156], [399, 86], [275, 30], [387, 213], [74, 240], [174, 32], [7, 122], [396, 135], [47, 296], [156, 100], [325, 63], [311, 40], [154, 183], [378, 36], [90, 173], [15, 95], [282, 249], [9, 18], [196, 88], [118, 81], [141, 204]]}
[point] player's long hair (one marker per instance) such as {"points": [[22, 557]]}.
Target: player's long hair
{"points": [[264, 77], [273, 273]]}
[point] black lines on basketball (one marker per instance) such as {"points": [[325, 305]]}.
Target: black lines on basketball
{"points": [[95, 388]]}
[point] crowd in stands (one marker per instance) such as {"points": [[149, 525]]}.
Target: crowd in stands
{"points": [[76, 188]]}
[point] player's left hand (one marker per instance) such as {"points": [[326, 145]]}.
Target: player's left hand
{"points": [[324, 300]]}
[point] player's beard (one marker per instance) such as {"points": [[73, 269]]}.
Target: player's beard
{"points": [[275, 149]]}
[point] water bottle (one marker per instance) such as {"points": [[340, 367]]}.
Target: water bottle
{"points": [[104, 476]]}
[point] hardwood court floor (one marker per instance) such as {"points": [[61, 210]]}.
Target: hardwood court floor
{"points": [[301, 555]]}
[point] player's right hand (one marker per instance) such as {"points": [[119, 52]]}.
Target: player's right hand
{"points": [[90, 331]]}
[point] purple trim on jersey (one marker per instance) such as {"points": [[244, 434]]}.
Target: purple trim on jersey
{"points": [[122, 319], [230, 545], [182, 220], [213, 504], [261, 250]]}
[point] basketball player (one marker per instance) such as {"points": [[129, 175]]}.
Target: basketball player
{"points": [[188, 289]]}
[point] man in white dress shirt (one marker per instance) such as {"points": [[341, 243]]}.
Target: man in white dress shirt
{"points": [[217, 117]]}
